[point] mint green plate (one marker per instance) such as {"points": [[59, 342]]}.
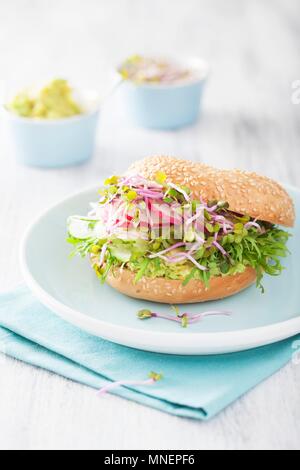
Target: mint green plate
{"points": [[72, 291]]}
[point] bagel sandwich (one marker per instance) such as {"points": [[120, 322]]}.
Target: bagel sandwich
{"points": [[174, 231]]}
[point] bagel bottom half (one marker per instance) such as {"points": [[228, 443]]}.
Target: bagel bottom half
{"points": [[173, 292]]}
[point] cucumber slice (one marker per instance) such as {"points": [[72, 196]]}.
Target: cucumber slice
{"points": [[83, 228], [122, 254]]}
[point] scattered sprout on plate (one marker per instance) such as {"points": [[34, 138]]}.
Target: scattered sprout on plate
{"points": [[183, 319]]}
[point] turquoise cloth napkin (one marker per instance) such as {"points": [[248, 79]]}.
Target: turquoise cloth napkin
{"points": [[194, 386]]}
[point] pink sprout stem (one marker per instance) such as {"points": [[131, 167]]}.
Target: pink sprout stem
{"points": [[199, 266], [253, 224], [121, 383], [220, 248], [150, 194], [177, 245], [181, 191], [103, 253], [166, 317], [213, 313], [195, 217]]}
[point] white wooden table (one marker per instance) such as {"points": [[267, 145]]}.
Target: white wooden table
{"points": [[248, 121]]}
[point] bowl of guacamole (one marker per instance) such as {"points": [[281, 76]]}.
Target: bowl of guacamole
{"points": [[53, 125], [53, 101]]}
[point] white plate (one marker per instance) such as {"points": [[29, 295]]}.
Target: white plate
{"points": [[71, 290]]}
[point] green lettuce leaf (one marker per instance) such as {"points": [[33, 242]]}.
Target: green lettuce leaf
{"points": [[261, 251]]}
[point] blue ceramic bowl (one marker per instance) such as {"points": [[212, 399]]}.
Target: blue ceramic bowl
{"points": [[54, 143], [166, 107]]}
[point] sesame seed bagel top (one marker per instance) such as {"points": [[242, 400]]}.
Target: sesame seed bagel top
{"points": [[247, 193]]}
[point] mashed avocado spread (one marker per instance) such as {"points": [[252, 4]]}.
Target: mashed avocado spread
{"points": [[54, 101]]}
